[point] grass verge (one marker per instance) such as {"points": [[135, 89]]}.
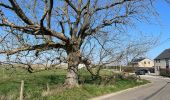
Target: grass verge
{"points": [[36, 84]]}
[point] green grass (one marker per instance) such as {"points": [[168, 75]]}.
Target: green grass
{"points": [[35, 85]]}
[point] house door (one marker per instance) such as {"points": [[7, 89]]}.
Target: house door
{"points": [[167, 63]]}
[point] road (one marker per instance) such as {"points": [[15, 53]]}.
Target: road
{"points": [[159, 89]]}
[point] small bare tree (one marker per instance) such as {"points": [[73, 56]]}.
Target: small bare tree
{"points": [[35, 29]]}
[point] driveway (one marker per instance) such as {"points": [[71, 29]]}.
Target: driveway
{"points": [[159, 89]]}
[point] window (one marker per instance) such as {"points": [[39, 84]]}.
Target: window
{"points": [[156, 67], [144, 62], [157, 60], [149, 62], [167, 63]]}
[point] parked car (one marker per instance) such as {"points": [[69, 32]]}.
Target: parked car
{"points": [[141, 72]]}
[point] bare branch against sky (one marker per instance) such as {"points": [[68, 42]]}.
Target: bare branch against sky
{"points": [[72, 31]]}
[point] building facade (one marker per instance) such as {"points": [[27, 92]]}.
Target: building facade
{"points": [[162, 61], [142, 63]]}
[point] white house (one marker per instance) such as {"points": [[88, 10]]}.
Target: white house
{"points": [[162, 61], [65, 65]]}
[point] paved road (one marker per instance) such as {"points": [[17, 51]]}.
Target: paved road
{"points": [[159, 89]]}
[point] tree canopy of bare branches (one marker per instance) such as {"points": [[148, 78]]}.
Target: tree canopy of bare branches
{"points": [[68, 30]]}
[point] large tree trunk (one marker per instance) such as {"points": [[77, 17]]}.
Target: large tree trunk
{"points": [[72, 72]]}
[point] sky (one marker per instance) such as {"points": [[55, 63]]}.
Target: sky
{"points": [[160, 29]]}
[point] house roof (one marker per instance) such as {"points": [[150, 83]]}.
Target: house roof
{"points": [[137, 60], [164, 54]]}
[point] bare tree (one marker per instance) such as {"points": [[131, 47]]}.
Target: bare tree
{"points": [[62, 27]]}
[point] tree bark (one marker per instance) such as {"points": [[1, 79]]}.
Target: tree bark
{"points": [[72, 71]]}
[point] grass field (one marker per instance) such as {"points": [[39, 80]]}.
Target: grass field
{"points": [[36, 84]]}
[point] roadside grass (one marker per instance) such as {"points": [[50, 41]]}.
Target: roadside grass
{"points": [[36, 84]]}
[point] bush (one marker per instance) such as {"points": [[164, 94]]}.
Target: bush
{"points": [[165, 72], [129, 69]]}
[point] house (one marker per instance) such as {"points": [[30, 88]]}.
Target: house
{"points": [[65, 65], [162, 61], [143, 63]]}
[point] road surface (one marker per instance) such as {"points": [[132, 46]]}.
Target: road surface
{"points": [[159, 89]]}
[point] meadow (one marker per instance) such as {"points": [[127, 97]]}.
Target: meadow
{"points": [[48, 84]]}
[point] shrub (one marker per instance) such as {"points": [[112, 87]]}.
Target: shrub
{"points": [[129, 69], [165, 72]]}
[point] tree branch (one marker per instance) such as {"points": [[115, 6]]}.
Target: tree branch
{"points": [[115, 20], [112, 5], [72, 6], [42, 19], [36, 30], [20, 13], [32, 29], [49, 7], [46, 46], [6, 6], [86, 5]]}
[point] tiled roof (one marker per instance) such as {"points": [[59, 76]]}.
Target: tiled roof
{"points": [[165, 54], [137, 60]]}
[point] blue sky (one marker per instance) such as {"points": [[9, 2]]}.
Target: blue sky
{"points": [[160, 28]]}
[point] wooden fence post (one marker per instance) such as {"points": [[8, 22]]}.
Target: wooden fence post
{"points": [[48, 88], [22, 90]]}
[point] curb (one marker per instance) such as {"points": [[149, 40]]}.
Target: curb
{"points": [[103, 97]]}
